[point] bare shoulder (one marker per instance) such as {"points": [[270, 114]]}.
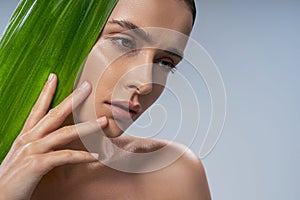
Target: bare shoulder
{"points": [[186, 176], [183, 174]]}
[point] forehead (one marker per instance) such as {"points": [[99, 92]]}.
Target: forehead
{"points": [[167, 14]]}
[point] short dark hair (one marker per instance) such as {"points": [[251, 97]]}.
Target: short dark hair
{"points": [[191, 4]]}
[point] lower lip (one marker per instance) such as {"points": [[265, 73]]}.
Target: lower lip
{"points": [[119, 113]]}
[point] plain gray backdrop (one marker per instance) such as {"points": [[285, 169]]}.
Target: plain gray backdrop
{"points": [[256, 47]]}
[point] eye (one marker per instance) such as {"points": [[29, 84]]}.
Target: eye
{"points": [[167, 65], [124, 43]]}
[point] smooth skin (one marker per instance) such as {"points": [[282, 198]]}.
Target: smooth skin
{"points": [[33, 152], [48, 160]]}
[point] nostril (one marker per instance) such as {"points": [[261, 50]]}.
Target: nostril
{"points": [[133, 87]]}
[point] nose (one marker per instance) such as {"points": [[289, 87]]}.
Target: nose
{"points": [[141, 79]]}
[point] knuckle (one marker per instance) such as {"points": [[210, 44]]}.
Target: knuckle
{"points": [[40, 163], [74, 155], [67, 129], [36, 162], [33, 159], [21, 140], [56, 112], [69, 155], [28, 148]]}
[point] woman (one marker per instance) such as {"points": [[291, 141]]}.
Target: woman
{"points": [[48, 160]]}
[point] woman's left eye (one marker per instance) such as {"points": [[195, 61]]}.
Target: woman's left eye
{"points": [[168, 65], [124, 43]]}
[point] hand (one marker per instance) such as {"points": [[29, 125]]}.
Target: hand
{"points": [[35, 150]]}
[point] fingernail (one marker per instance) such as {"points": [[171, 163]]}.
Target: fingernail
{"points": [[95, 155], [50, 77], [84, 85], [101, 120]]}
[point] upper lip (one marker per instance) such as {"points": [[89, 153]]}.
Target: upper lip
{"points": [[126, 105]]}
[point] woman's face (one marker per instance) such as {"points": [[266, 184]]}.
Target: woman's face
{"points": [[138, 48]]}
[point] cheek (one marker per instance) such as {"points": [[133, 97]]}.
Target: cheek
{"points": [[108, 82], [106, 87], [103, 89]]}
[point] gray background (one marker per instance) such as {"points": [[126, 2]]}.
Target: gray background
{"points": [[256, 47]]}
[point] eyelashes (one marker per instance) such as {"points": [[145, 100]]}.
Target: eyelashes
{"points": [[167, 65], [124, 44], [127, 45]]}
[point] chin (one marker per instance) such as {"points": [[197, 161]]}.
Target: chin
{"points": [[114, 128]]}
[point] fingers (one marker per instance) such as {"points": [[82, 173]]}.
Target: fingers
{"points": [[67, 134], [43, 163], [42, 104], [56, 116]]}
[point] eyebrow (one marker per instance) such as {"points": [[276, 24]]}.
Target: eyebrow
{"points": [[175, 52], [144, 35], [130, 26]]}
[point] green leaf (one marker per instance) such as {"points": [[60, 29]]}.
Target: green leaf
{"points": [[42, 37]]}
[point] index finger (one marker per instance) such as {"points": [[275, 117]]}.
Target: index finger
{"points": [[42, 104], [57, 115]]}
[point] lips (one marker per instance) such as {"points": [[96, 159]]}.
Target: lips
{"points": [[124, 110]]}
